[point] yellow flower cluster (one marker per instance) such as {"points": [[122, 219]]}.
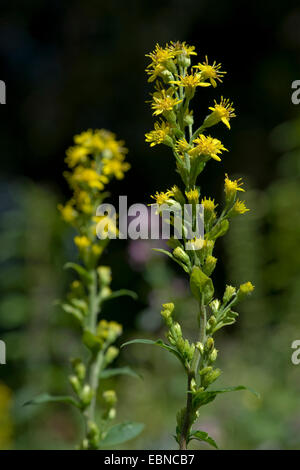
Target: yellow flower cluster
{"points": [[176, 81], [94, 160]]}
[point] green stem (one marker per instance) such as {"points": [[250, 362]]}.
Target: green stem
{"points": [[97, 359], [189, 414]]}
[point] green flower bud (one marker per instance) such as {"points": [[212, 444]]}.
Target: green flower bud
{"points": [[110, 398], [228, 294], [193, 385], [213, 355], [209, 344], [188, 120], [205, 370], [167, 76], [215, 305], [105, 292], [210, 377], [104, 273], [111, 354], [181, 255], [200, 347], [86, 395], [93, 433], [176, 330], [75, 383], [183, 60], [180, 344], [210, 264], [111, 414], [79, 369], [166, 313]]}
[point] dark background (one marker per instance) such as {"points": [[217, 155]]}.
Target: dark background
{"points": [[70, 66]]}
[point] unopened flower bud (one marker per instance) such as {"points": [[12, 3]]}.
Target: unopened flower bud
{"points": [[86, 395], [210, 264], [111, 354], [213, 355], [181, 255], [104, 273], [79, 369], [110, 398], [166, 313], [200, 347], [228, 294], [215, 305], [193, 385], [210, 377], [176, 330], [209, 344], [205, 371], [183, 60], [75, 383], [105, 292]]}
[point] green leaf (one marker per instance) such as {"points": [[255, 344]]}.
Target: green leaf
{"points": [[203, 398], [158, 342], [120, 293], [83, 273], [201, 285], [203, 436], [165, 252], [46, 398], [218, 230], [105, 374], [120, 433], [75, 312]]}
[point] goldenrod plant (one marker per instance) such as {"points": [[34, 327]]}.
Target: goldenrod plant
{"points": [[93, 161], [176, 81]]}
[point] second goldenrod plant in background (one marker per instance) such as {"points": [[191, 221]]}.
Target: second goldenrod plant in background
{"points": [[93, 161], [176, 81]]}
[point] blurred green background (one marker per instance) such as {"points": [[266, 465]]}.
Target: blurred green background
{"points": [[69, 66]]}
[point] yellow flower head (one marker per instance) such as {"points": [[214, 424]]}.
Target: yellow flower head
{"points": [[182, 146], [163, 101], [68, 212], [195, 244], [239, 208], [88, 176], [208, 204], [192, 195], [83, 201], [210, 72], [190, 81], [222, 111], [82, 242], [245, 289], [182, 48], [207, 146], [232, 186], [161, 55], [162, 197], [158, 135], [76, 155], [115, 167]]}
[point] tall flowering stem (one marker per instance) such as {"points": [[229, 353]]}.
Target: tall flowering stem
{"points": [[176, 81], [95, 158]]}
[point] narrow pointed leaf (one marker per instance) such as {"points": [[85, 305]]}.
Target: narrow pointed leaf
{"points": [[105, 374], [120, 433], [203, 436], [46, 398]]}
